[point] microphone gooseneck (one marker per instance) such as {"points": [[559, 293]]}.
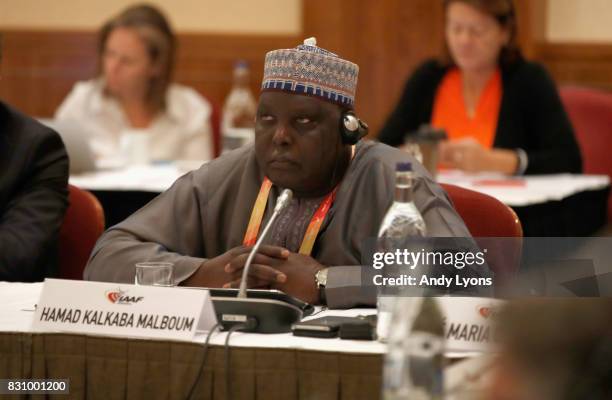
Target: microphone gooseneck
{"points": [[282, 202]]}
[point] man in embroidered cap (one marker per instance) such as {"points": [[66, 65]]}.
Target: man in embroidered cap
{"points": [[307, 140]]}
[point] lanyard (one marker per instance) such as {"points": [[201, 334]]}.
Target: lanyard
{"points": [[314, 226]]}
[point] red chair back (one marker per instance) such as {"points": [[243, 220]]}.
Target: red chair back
{"points": [[487, 217], [83, 224], [484, 216], [590, 111]]}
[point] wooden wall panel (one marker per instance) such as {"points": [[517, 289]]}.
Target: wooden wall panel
{"points": [[578, 64], [584, 64], [39, 67], [205, 62], [531, 24], [387, 39]]}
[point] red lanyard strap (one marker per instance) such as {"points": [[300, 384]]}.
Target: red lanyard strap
{"points": [[314, 226]]}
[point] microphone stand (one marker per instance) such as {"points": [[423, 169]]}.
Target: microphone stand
{"points": [[283, 201], [262, 311]]}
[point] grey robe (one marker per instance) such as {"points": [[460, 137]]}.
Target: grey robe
{"points": [[206, 212]]}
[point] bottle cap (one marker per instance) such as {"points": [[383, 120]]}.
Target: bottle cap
{"points": [[403, 167], [311, 41], [241, 64]]}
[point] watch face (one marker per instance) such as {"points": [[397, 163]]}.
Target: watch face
{"points": [[321, 277]]}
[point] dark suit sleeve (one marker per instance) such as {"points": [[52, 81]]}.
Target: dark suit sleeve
{"points": [[553, 147], [30, 222], [415, 105]]}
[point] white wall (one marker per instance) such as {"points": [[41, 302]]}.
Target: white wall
{"points": [[222, 16], [567, 20], [579, 21]]}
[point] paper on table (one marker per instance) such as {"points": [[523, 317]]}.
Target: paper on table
{"points": [[501, 182], [152, 178]]}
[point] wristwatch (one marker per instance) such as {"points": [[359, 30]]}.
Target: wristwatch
{"points": [[321, 281]]}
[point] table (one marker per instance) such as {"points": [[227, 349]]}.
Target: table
{"points": [[153, 178], [123, 191], [262, 366], [547, 205], [528, 190]]}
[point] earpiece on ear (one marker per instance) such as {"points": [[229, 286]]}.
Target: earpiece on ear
{"points": [[352, 129]]}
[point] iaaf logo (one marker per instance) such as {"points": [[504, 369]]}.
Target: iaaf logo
{"points": [[487, 311], [119, 297]]}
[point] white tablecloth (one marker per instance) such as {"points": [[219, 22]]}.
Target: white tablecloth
{"points": [[17, 302], [153, 178], [526, 190]]}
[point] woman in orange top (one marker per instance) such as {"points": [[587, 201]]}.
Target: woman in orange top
{"points": [[501, 113]]}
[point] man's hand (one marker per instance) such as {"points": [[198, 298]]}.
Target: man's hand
{"points": [[226, 269], [301, 283], [298, 277]]}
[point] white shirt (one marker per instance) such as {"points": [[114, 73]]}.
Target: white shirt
{"points": [[181, 132]]}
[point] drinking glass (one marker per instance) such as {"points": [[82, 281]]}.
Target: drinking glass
{"points": [[155, 273]]}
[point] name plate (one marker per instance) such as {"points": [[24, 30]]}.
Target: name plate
{"points": [[115, 309], [470, 323]]}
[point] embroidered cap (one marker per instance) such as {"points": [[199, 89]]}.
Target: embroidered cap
{"points": [[311, 70]]}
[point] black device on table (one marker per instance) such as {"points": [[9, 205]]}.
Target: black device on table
{"points": [[272, 311], [355, 328], [326, 327]]}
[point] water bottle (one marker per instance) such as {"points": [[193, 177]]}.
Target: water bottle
{"points": [[401, 222], [413, 368], [412, 325], [238, 122]]}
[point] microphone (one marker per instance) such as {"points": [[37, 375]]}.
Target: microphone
{"points": [[257, 310], [282, 202]]}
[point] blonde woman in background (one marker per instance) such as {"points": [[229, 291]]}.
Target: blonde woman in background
{"points": [[134, 93]]}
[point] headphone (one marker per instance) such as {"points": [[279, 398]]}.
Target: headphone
{"points": [[352, 129]]}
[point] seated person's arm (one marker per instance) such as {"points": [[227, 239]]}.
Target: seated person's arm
{"points": [[167, 229], [31, 220], [554, 148], [170, 229]]}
